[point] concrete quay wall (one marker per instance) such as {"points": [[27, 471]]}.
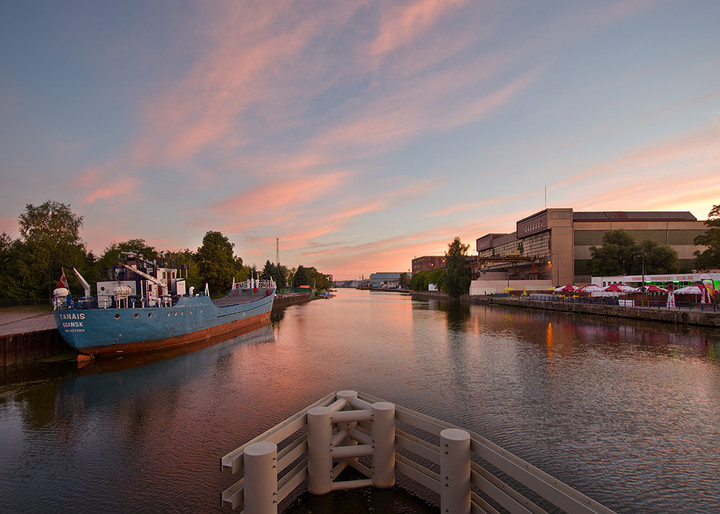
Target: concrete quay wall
{"points": [[706, 318], [25, 347], [696, 316], [287, 299]]}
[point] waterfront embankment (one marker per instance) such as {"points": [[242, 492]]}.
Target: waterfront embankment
{"points": [[700, 315], [27, 336]]}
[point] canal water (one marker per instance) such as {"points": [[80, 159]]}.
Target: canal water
{"points": [[626, 412]]}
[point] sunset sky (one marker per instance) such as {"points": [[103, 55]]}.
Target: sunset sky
{"points": [[360, 133]]}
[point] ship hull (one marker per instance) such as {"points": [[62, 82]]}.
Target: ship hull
{"points": [[192, 319]]}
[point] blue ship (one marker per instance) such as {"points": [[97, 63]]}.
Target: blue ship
{"points": [[144, 305]]}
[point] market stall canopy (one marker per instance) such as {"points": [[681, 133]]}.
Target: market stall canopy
{"points": [[692, 289], [566, 289], [618, 288], [651, 288], [590, 288]]}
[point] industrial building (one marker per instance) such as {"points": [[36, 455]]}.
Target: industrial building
{"points": [[428, 263], [553, 245]]}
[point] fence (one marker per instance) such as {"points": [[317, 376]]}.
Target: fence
{"points": [[379, 439]]}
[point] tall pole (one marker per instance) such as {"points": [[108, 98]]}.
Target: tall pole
{"points": [[277, 251]]}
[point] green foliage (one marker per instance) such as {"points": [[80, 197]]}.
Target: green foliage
{"points": [[457, 274], [189, 268], [620, 254], [217, 264], [30, 266], [709, 258], [319, 280], [615, 256], [49, 240], [404, 281], [276, 272], [658, 259], [301, 277], [419, 281]]}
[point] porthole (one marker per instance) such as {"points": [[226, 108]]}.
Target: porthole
{"points": [[149, 314], [168, 314], [175, 313], [190, 312], [182, 313], [136, 316], [117, 316]]}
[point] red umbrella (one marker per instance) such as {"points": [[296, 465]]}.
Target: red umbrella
{"points": [[652, 288], [617, 288]]}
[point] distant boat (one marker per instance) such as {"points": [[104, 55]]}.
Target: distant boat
{"points": [[144, 306]]}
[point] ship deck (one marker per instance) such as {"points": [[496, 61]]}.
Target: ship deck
{"points": [[227, 301]]}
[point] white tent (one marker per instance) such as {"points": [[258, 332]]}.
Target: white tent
{"points": [[692, 289]]}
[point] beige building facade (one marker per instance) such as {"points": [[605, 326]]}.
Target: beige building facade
{"points": [[554, 244]]}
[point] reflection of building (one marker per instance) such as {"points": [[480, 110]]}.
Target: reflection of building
{"points": [[554, 244], [428, 263]]}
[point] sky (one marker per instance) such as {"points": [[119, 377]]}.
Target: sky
{"points": [[360, 134]]}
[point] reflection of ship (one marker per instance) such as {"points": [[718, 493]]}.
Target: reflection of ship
{"points": [[133, 375], [144, 306]]}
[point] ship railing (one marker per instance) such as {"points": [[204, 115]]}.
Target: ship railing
{"points": [[380, 440], [113, 302]]}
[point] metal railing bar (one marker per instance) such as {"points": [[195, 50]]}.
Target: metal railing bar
{"points": [[360, 437], [419, 421], [416, 472], [234, 494], [292, 479], [360, 467], [555, 491], [292, 452], [233, 459], [417, 446], [357, 403], [480, 506], [352, 484], [500, 495], [494, 487]]}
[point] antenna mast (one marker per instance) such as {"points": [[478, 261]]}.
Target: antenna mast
{"points": [[277, 251]]}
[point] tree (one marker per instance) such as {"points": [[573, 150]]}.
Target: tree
{"points": [[457, 274], [709, 258], [616, 256], [319, 280], [187, 262], [275, 272], [49, 240], [301, 277], [620, 254], [658, 259], [9, 283], [419, 281], [404, 281], [216, 263]]}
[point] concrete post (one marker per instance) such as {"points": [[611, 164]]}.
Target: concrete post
{"points": [[319, 444], [260, 489], [383, 440], [455, 471]]}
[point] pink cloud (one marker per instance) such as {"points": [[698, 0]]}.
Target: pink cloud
{"points": [[116, 187], [402, 24], [694, 150]]}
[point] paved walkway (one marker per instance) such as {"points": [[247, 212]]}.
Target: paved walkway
{"points": [[23, 322]]}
